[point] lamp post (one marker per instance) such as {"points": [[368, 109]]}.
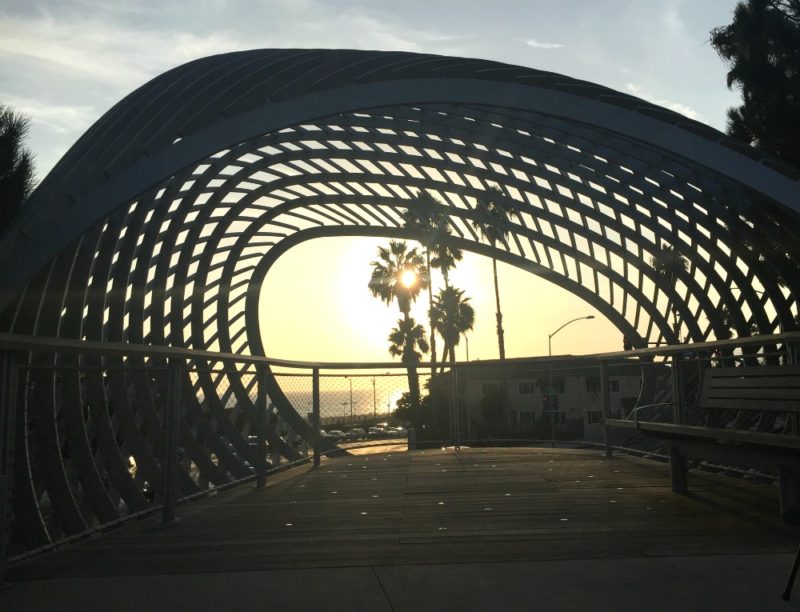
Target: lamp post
{"points": [[550, 372], [374, 402], [350, 380]]}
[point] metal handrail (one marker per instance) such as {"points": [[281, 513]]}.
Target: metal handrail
{"points": [[17, 342], [636, 409]]}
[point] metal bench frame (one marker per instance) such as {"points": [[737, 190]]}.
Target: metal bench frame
{"points": [[753, 388]]}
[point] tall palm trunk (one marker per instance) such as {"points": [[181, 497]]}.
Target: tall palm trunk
{"points": [[413, 378], [430, 311], [500, 342]]}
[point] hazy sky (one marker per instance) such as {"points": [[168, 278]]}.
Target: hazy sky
{"points": [[66, 63]]}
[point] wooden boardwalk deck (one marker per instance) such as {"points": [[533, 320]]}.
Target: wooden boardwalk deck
{"points": [[423, 507]]}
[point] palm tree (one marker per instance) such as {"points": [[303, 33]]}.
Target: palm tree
{"points": [[445, 257], [425, 218], [493, 211], [386, 281], [453, 316], [669, 264], [421, 217], [16, 165], [404, 340], [400, 274]]}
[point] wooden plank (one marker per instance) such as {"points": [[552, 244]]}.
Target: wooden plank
{"points": [[441, 506]]}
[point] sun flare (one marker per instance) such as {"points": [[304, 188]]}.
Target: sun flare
{"points": [[408, 278]]}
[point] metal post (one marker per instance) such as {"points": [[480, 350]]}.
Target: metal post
{"points": [[607, 434], [8, 413], [315, 414], [169, 462], [261, 425], [677, 392], [458, 410], [351, 402]]}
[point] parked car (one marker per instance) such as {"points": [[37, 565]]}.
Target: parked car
{"points": [[336, 435], [397, 432], [375, 433], [357, 433]]}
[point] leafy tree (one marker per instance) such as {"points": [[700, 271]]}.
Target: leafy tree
{"points": [[761, 47], [669, 264], [453, 316], [493, 211], [16, 165]]}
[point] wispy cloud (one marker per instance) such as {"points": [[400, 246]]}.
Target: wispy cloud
{"points": [[64, 119], [536, 44], [678, 107]]}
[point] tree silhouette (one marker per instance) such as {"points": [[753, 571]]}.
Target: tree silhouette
{"points": [[669, 264], [386, 280], [424, 216], [387, 283], [493, 215], [16, 165], [761, 47], [404, 340], [453, 316]]}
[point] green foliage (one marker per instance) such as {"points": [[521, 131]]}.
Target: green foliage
{"points": [[761, 47], [403, 407], [16, 165]]}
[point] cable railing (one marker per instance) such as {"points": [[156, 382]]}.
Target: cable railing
{"points": [[95, 434]]}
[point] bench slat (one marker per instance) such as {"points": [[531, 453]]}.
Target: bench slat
{"points": [[762, 388], [751, 404], [712, 433]]}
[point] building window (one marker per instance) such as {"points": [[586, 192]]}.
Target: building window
{"points": [[558, 418], [526, 388], [527, 418], [593, 384], [550, 402], [613, 386], [487, 388], [593, 417]]}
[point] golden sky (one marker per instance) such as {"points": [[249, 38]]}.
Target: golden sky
{"points": [[315, 306]]}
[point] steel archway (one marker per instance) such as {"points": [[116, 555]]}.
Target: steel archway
{"points": [[160, 224]]}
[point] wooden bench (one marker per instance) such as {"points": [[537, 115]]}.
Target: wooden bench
{"points": [[752, 418]]}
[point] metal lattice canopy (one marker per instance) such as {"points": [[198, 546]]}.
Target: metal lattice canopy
{"points": [[161, 222], [211, 170]]}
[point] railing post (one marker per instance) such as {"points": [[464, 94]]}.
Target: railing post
{"points": [[261, 425], [315, 420], [677, 391], [607, 434], [171, 436], [456, 411], [8, 414]]}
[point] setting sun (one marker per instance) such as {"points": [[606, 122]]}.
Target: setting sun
{"points": [[408, 278]]}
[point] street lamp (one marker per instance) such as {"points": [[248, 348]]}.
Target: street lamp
{"points": [[550, 369], [350, 380], [374, 402]]}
